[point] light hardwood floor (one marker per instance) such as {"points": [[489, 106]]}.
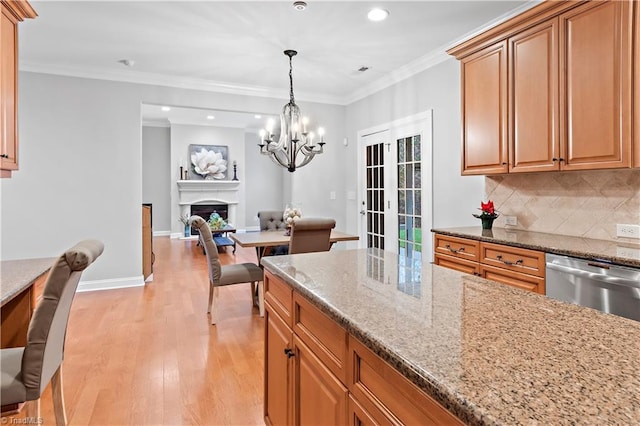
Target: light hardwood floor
{"points": [[148, 356]]}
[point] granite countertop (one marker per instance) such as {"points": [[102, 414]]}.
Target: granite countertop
{"points": [[624, 253], [490, 353], [16, 275]]}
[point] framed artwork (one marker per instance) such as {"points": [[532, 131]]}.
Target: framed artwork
{"points": [[208, 162]]}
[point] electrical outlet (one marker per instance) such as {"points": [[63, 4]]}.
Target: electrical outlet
{"points": [[628, 231], [332, 195], [628, 252], [511, 220]]}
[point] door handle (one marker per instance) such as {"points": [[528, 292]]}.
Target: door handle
{"points": [[362, 212]]}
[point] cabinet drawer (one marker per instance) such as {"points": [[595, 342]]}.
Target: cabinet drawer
{"points": [[322, 335], [378, 387], [279, 295], [458, 247], [514, 279], [461, 265], [513, 258]]}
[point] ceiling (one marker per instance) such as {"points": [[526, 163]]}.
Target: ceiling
{"points": [[236, 46]]}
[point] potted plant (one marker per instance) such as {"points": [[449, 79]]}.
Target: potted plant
{"points": [[185, 221], [488, 214]]}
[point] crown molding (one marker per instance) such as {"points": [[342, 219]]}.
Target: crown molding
{"points": [[130, 76], [423, 63]]}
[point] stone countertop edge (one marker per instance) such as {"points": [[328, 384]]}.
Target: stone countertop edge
{"points": [[17, 275], [467, 232], [460, 407]]}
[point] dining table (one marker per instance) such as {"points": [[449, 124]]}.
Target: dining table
{"points": [[265, 241]]}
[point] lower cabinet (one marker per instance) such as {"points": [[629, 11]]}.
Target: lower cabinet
{"points": [[517, 267], [317, 374]]}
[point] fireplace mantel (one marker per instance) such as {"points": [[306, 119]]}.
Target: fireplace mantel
{"points": [[208, 185], [208, 192]]}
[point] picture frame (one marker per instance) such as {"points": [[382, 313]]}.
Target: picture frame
{"points": [[208, 162]]}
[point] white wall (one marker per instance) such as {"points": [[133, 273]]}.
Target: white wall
{"points": [[81, 166], [156, 176], [455, 197]]}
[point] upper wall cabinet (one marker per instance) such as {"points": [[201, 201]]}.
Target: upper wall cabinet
{"points": [[12, 12], [565, 99]]}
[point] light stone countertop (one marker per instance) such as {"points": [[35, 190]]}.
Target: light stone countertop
{"points": [[490, 353], [16, 275], [624, 253]]}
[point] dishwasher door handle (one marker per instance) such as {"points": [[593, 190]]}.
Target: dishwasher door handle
{"points": [[591, 275]]}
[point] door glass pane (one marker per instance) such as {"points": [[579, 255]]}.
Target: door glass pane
{"points": [[375, 195], [409, 197]]}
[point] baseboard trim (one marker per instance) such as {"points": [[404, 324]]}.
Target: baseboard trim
{"points": [[161, 233], [111, 284]]}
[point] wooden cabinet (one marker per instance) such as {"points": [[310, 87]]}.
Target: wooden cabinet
{"points": [[301, 362], [636, 85], [533, 99], [484, 111], [317, 374], [595, 59], [514, 266], [386, 396], [12, 12], [566, 93]]}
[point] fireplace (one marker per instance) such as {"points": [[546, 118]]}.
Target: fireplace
{"points": [[205, 210]]}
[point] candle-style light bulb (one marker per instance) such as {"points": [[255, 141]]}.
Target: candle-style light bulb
{"points": [[321, 133], [270, 125], [263, 133], [294, 131], [311, 136], [305, 121]]}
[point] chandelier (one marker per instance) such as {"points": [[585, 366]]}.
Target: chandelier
{"points": [[295, 146]]}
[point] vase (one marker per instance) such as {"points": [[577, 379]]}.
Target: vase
{"points": [[487, 222], [187, 230], [287, 231]]}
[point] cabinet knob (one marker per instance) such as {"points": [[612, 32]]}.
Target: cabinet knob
{"points": [[289, 353], [4, 156], [554, 159], [561, 159], [504, 164]]}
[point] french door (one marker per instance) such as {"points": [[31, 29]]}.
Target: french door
{"points": [[396, 189]]}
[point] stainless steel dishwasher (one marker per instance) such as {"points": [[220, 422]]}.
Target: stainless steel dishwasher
{"points": [[600, 285]]}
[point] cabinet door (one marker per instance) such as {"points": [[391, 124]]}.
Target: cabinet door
{"points": [[8, 94], [360, 416], [533, 99], [636, 85], [484, 111], [320, 398], [595, 83], [277, 374]]}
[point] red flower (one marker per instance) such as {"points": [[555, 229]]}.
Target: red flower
{"points": [[488, 207]]}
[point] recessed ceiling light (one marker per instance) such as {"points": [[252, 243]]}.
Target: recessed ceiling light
{"points": [[257, 116], [210, 117], [377, 14], [299, 5], [165, 108]]}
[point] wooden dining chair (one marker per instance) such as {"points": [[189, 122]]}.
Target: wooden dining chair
{"points": [[221, 275], [27, 371], [310, 235]]}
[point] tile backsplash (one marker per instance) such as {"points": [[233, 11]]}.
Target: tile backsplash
{"points": [[585, 204]]}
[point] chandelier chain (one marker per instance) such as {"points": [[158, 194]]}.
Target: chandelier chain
{"points": [[291, 99]]}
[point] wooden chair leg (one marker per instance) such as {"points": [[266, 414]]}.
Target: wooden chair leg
{"points": [[58, 398], [32, 411], [214, 306], [261, 297], [210, 297]]}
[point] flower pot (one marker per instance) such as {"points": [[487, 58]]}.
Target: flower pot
{"points": [[487, 222]]}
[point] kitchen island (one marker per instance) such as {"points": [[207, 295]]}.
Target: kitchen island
{"points": [[487, 353]]}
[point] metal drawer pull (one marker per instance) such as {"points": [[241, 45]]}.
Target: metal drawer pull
{"points": [[452, 250], [509, 263], [289, 353]]}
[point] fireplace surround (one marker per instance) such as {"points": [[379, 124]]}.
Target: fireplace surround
{"points": [[199, 194]]}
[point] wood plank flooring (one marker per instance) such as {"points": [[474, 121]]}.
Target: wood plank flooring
{"points": [[148, 356]]}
